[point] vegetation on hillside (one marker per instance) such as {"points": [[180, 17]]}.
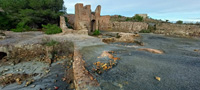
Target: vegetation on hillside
{"points": [[179, 22], [28, 14], [136, 18]]}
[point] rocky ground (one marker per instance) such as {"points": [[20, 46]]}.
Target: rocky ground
{"points": [[58, 74], [174, 67], [124, 62]]}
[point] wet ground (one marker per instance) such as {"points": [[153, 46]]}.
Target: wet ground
{"points": [[178, 67]]}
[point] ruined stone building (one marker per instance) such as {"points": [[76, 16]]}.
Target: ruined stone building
{"points": [[84, 18]]}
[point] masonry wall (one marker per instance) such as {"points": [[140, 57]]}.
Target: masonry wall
{"points": [[71, 18], [128, 26], [178, 29], [63, 23], [82, 16], [104, 23]]}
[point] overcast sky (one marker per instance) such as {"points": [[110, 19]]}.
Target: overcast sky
{"points": [[173, 10]]}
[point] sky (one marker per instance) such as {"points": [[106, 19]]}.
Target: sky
{"points": [[172, 10]]}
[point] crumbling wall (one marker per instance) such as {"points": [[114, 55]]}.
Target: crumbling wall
{"points": [[178, 29], [85, 19], [63, 23], [104, 23], [71, 18], [82, 16], [129, 26]]}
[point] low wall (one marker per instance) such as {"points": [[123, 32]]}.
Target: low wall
{"points": [[129, 26], [178, 29]]}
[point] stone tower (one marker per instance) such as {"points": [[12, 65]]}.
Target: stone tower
{"points": [[85, 18]]}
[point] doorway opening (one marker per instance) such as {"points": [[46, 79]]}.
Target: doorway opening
{"points": [[92, 25], [2, 55]]}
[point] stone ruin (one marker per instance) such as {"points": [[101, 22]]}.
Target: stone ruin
{"points": [[85, 19]]}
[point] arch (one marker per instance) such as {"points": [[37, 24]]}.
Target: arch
{"points": [[2, 55], [93, 25]]}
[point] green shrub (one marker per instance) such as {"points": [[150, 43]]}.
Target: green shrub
{"points": [[128, 19], [179, 22], [145, 31], [96, 32], [119, 16], [51, 29], [51, 43], [138, 18], [21, 27], [135, 18]]}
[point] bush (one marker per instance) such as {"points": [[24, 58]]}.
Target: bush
{"points": [[96, 32], [145, 31], [179, 22], [51, 29], [21, 27], [128, 19], [51, 43], [136, 18], [119, 16]]}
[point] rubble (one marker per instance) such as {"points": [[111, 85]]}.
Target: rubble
{"points": [[15, 78], [124, 38], [158, 78], [101, 67]]}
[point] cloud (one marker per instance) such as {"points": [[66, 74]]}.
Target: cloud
{"points": [[160, 9]]}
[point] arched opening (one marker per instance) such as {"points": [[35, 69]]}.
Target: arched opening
{"points": [[2, 55], [92, 25]]}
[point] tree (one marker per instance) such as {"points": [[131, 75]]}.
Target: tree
{"points": [[179, 22], [138, 18], [32, 13]]}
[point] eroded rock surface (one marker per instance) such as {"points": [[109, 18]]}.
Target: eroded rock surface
{"points": [[151, 50]]}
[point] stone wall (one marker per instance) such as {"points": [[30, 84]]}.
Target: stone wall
{"points": [[71, 18], [85, 19], [128, 26], [104, 23], [66, 30], [63, 24], [178, 29]]}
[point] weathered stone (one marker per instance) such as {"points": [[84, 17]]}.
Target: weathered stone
{"points": [[129, 26], [84, 18], [122, 37], [151, 50], [63, 23], [178, 29]]}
